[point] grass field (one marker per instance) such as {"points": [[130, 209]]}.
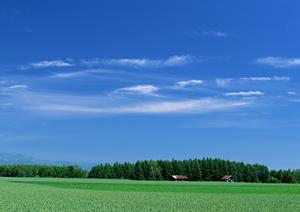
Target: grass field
{"points": [[44, 194]]}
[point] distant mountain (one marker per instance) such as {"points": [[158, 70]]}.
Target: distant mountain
{"points": [[6, 158]]}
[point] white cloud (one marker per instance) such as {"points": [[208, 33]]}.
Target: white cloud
{"points": [[257, 78], [244, 93], [175, 60], [15, 87], [18, 87], [62, 104], [217, 34], [75, 74], [186, 106], [281, 78], [69, 74], [47, 64], [139, 89], [139, 62], [279, 62], [275, 78], [291, 93], [189, 83], [223, 82]]}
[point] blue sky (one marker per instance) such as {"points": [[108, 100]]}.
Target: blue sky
{"points": [[127, 80]]}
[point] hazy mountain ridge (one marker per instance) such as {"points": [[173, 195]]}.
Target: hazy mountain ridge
{"points": [[6, 158]]}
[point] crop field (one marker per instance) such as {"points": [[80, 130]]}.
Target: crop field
{"points": [[45, 194]]}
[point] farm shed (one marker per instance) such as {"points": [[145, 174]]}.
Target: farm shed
{"points": [[179, 177], [228, 178]]}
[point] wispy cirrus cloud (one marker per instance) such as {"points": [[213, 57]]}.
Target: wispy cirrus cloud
{"points": [[81, 73], [214, 33], [47, 64], [139, 89], [14, 87], [46, 103], [279, 62], [20, 86], [142, 62], [186, 83], [164, 107], [275, 78], [223, 82], [210, 33], [244, 93], [73, 74], [175, 60], [292, 93]]}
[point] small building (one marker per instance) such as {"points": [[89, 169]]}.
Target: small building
{"points": [[228, 178], [179, 177]]}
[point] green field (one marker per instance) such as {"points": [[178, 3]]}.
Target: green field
{"points": [[44, 194]]}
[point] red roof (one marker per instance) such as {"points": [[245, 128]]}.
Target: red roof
{"points": [[226, 177], [180, 177]]}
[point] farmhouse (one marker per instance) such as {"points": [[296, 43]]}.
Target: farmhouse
{"points": [[179, 177], [228, 178]]}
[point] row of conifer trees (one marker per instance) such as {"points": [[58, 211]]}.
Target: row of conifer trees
{"points": [[42, 171], [206, 169]]}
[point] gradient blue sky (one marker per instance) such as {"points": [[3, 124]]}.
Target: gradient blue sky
{"points": [[126, 80]]}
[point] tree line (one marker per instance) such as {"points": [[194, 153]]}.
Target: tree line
{"points": [[206, 169], [42, 171]]}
